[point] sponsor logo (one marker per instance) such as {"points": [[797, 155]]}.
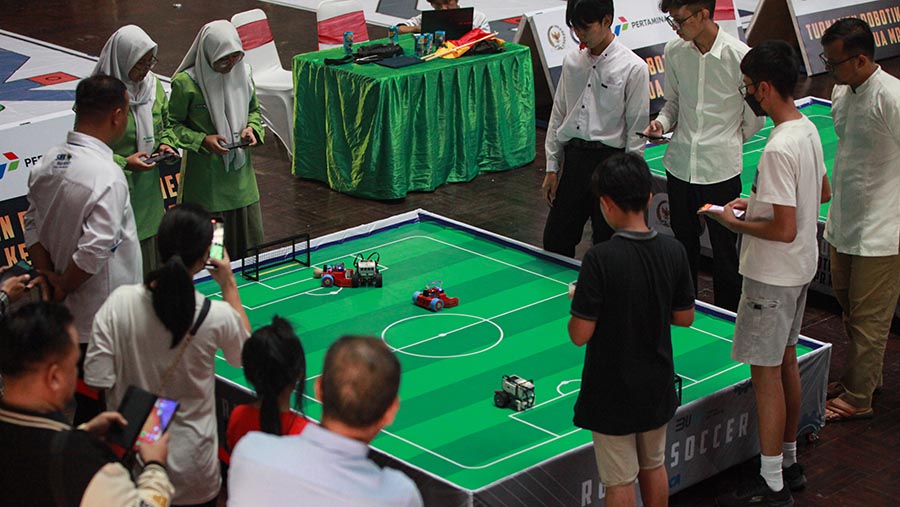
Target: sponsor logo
{"points": [[662, 213], [556, 37], [706, 437], [9, 161], [621, 26]]}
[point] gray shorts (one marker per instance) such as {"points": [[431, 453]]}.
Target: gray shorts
{"points": [[768, 320]]}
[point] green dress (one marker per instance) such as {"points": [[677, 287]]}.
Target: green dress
{"points": [[204, 180], [144, 187]]}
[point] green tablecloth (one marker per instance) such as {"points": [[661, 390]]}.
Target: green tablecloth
{"points": [[377, 132]]}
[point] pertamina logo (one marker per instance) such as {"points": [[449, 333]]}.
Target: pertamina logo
{"points": [[8, 162], [621, 27]]}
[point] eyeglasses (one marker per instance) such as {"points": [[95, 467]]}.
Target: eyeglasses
{"points": [[743, 88], [676, 24], [147, 65], [227, 62], [831, 65]]}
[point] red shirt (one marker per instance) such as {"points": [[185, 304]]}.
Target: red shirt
{"points": [[245, 418]]}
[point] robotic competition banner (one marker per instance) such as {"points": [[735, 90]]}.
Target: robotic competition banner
{"points": [[37, 91], [640, 25], [813, 18]]}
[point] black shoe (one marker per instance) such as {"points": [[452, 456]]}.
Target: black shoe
{"points": [[754, 493], [793, 477]]}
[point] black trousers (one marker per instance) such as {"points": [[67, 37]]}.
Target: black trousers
{"points": [[575, 202], [684, 201]]}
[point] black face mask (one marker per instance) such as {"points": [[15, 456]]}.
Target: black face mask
{"points": [[754, 104]]}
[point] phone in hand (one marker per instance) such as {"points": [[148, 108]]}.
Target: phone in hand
{"points": [[158, 420], [237, 144], [217, 248], [20, 268], [159, 157], [148, 418], [652, 138], [738, 213]]}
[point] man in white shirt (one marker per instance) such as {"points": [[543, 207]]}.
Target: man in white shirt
{"points": [[328, 465], [602, 99], [414, 24], [863, 226], [704, 159], [79, 227], [779, 256]]}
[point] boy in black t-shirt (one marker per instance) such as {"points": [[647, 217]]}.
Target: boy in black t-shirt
{"points": [[630, 289]]}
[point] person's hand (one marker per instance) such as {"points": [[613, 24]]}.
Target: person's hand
{"points": [[57, 294], [136, 164], [655, 128], [165, 148], [211, 143], [15, 286], [40, 282], [740, 204], [155, 451], [221, 270], [100, 425], [548, 187], [248, 133]]}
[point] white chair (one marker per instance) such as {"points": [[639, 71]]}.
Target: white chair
{"points": [[334, 17], [274, 85]]}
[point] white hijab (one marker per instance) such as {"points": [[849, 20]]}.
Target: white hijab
{"points": [[124, 49], [227, 95]]}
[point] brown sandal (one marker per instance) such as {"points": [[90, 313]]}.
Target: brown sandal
{"points": [[838, 410]]}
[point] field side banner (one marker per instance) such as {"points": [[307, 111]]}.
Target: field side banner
{"points": [[813, 17], [639, 24]]}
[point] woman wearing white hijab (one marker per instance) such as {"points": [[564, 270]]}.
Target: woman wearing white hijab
{"points": [[129, 55], [213, 102]]}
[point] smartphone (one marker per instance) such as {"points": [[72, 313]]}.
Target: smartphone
{"points": [[738, 213], [655, 139], [18, 269], [148, 417], [159, 157], [217, 249], [237, 144], [158, 420]]}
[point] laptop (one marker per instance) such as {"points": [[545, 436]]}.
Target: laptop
{"points": [[455, 22]]}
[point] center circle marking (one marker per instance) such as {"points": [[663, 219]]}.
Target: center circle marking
{"points": [[442, 335]]}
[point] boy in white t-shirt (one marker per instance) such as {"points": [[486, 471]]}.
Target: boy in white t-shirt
{"points": [[779, 254]]}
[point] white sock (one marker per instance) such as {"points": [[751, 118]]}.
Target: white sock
{"points": [[790, 453], [770, 469]]}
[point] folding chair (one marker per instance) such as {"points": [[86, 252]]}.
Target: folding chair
{"points": [[334, 17], [274, 85]]}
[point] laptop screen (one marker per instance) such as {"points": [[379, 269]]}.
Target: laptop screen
{"points": [[456, 22]]}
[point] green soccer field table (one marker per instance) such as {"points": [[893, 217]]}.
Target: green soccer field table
{"points": [[379, 132], [511, 320]]}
